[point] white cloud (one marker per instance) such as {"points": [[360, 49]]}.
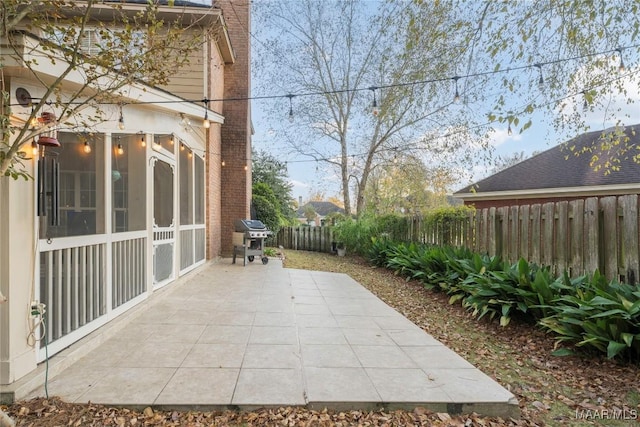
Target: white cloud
{"points": [[500, 136]]}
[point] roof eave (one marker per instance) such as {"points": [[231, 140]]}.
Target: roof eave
{"points": [[589, 191]]}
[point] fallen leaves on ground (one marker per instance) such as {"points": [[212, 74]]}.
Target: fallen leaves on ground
{"points": [[54, 412]]}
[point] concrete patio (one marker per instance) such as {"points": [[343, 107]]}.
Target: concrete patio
{"points": [[228, 336]]}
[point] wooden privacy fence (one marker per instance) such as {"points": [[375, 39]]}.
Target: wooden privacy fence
{"points": [[304, 238], [579, 236]]}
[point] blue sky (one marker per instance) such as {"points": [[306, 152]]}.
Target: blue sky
{"points": [[308, 178]]}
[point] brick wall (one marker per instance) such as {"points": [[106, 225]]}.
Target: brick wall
{"points": [[215, 90], [236, 130]]}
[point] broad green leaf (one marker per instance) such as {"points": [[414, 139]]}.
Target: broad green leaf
{"points": [[614, 348]]}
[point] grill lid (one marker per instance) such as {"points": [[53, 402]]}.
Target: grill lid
{"points": [[249, 225]]}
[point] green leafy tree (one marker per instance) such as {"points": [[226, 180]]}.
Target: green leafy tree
{"points": [[266, 206], [407, 186], [310, 213], [268, 170], [138, 43]]}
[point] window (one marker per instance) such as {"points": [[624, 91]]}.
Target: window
{"points": [[80, 187]]}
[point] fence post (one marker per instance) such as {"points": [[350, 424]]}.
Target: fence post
{"points": [[629, 236]]}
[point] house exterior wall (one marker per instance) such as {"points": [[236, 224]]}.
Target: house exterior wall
{"points": [[17, 247], [190, 82], [214, 155], [236, 131]]}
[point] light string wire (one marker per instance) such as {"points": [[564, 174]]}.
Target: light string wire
{"points": [[479, 126], [360, 89]]}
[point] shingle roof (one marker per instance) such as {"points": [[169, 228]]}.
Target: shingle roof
{"points": [[321, 208], [559, 167]]}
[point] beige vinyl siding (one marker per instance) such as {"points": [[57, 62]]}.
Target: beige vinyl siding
{"points": [[190, 82]]}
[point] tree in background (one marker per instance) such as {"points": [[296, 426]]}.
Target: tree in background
{"points": [[574, 61], [267, 169], [346, 69], [139, 46], [407, 186]]}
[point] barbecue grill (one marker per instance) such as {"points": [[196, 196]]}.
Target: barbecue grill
{"points": [[248, 240]]}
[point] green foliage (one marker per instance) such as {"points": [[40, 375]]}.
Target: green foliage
{"points": [[267, 169], [355, 235], [599, 314], [589, 312]]}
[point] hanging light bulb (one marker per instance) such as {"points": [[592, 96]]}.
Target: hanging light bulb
{"points": [[374, 105], [223, 163], [34, 120], [290, 96], [34, 147], [121, 120], [120, 150], [172, 140], [585, 104], [143, 143], [182, 146], [541, 79], [456, 96], [206, 123], [246, 167], [86, 148], [509, 131], [621, 67]]}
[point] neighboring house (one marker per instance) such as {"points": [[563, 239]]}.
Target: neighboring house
{"points": [[559, 174], [321, 209], [140, 204]]}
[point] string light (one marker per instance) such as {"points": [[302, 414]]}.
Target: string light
{"points": [[34, 120], [206, 123], [290, 96], [585, 104], [34, 147], [86, 148], [121, 120], [456, 96], [182, 146], [143, 143], [223, 163], [621, 67], [374, 104], [120, 150], [541, 79], [171, 139], [509, 131]]}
